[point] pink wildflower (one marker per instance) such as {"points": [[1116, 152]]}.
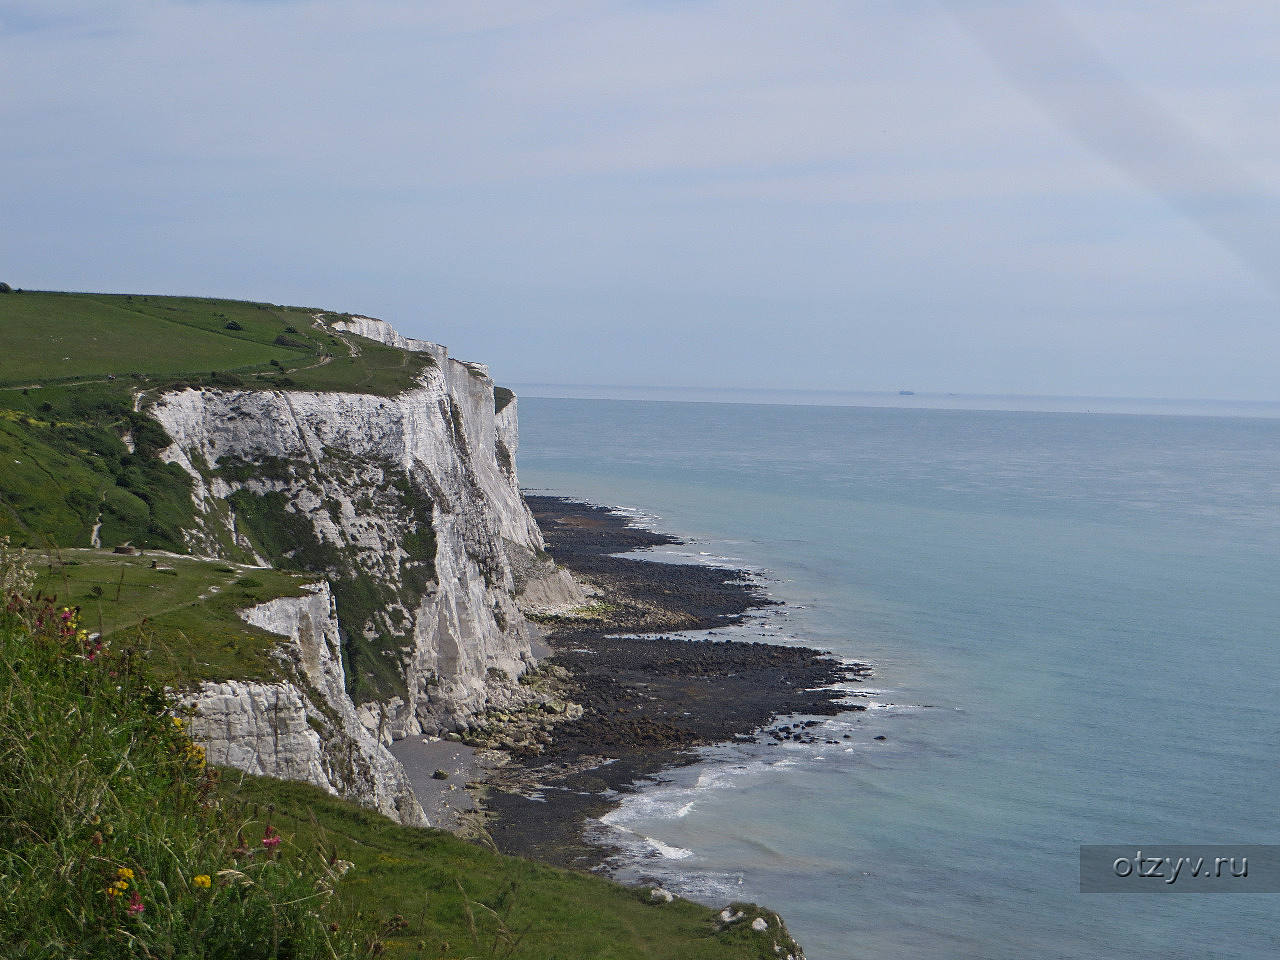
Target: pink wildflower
{"points": [[136, 905], [270, 839]]}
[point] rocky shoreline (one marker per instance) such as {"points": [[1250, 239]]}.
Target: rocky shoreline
{"points": [[648, 698]]}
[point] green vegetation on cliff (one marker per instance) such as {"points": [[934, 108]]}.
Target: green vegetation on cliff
{"points": [[180, 613], [288, 540], [66, 467]]}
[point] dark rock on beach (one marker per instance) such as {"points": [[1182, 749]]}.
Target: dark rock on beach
{"points": [[649, 698]]}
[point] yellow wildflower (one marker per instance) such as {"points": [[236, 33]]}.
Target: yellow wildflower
{"points": [[194, 755], [203, 881], [124, 873], [120, 885]]}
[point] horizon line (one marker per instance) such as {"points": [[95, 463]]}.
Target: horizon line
{"points": [[895, 394]]}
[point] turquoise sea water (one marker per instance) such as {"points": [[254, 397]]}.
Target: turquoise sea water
{"points": [[1073, 623]]}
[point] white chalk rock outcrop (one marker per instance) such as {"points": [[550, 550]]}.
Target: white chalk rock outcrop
{"points": [[306, 727], [408, 505]]}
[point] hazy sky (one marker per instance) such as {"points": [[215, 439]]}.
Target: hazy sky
{"points": [[944, 196]]}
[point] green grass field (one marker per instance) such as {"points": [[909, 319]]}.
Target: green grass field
{"points": [[54, 338], [59, 336], [181, 614]]}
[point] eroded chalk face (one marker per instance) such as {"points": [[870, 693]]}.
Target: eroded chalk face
{"points": [[408, 507]]}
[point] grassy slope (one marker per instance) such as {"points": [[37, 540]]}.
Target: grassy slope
{"points": [[63, 464], [454, 898], [184, 617], [109, 846], [423, 875]]}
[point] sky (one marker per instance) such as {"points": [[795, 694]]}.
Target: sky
{"points": [[937, 195]]}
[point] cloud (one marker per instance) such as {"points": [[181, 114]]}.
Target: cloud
{"points": [[719, 162]]}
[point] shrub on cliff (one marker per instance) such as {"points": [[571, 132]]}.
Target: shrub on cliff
{"points": [[221, 378], [113, 841]]}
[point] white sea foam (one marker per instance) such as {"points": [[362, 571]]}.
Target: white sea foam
{"points": [[635, 845], [701, 557], [676, 800], [709, 887], [903, 707], [858, 690], [635, 518], [668, 852], [656, 804], [850, 661], [657, 809], [709, 559]]}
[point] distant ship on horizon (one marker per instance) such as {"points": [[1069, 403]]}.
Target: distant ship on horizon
{"points": [[906, 393]]}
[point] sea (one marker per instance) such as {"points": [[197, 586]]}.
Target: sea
{"points": [[1072, 609]]}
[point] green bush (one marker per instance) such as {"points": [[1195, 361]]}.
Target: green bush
{"points": [[221, 378]]}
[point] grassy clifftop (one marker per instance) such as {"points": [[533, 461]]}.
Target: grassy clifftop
{"points": [[74, 366], [59, 336], [182, 613], [73, 337]]}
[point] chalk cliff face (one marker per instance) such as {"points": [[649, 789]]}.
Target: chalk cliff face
{"points": [[408, 506], [304, 727]]}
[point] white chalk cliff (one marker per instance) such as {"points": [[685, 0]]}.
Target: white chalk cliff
{"points": [[304, 726], [409, 508]]}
